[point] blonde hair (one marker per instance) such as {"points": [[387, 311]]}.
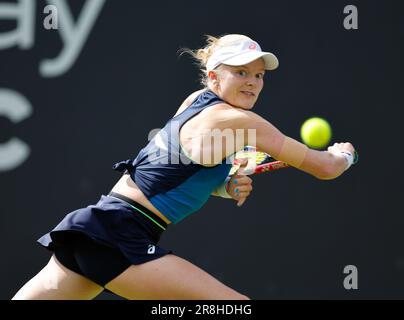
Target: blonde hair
{"points": [[212, 44]]}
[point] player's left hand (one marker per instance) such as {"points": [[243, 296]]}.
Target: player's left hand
{"points": [[239, 186]]}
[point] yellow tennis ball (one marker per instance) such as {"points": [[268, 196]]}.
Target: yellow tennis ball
{"points": [[316, 132]]}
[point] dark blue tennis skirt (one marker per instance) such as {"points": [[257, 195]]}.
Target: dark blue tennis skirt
{"points": [[115, 223]]}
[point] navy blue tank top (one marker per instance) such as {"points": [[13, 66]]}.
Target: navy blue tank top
{"points": [[170, 180]]}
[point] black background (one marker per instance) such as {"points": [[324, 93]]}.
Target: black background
{"points": [[295, 234]]}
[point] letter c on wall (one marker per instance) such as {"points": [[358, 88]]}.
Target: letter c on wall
{"points": [[15, 107]]}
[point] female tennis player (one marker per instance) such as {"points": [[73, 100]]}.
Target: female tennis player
{"points": [[113, 244]]}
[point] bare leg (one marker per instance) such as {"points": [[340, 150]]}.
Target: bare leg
{"points": [[55, 282], [170, 277]]}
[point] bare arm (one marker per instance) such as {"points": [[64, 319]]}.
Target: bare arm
{"points": [[321, 164]]}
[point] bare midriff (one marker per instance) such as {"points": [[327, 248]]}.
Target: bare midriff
{"points": [[128, 188]]}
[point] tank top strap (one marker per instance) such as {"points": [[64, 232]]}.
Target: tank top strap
{"points": [[202, 101]]}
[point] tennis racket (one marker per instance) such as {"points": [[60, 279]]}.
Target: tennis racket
{"points": [[259, 162]]}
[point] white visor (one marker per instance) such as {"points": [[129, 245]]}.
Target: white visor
{"points": [[239, 53]]}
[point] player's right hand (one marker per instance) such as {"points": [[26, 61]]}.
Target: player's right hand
{"points": [[337, 148]]}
